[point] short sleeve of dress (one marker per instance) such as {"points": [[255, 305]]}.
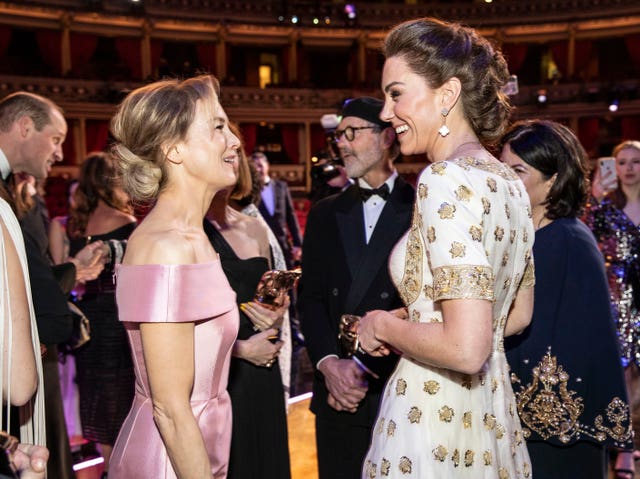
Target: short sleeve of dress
{"points": [[451, 218], [159, 293]]}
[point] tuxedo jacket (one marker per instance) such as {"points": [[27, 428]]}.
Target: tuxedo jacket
{"points": [[342, 274], [283, 222]]}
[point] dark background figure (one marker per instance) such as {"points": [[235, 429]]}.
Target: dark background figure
{"points": [[571, 314], [104, 369], [344, 270]]}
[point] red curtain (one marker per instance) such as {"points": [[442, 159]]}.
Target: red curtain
{"points": [[584, 48], [515, 53], [49, 43], [633, 47], [249, 135], [290, 142], [630, 127], [96, 135], [560, 52], [5, 39], [588, 133], [69, 149], [156, 52], [318, 138], [129, 50], [83, 46], [206, 56]]}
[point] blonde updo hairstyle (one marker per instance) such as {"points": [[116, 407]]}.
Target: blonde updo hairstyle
{"points": [[149, 122], [438, 51]]}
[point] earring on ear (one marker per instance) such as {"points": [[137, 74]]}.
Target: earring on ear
{"points": [[444, 129]]}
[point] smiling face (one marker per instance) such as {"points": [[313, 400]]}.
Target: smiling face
{"points": [[411, 106], [41, 149], [210, 150], [628, 166]]}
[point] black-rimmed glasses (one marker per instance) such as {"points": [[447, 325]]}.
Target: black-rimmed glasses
{"points": [[350, 132]]}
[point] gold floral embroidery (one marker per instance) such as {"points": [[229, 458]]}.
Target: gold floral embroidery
{"points": [[529, 276], [401, 387], [440, 453], [431, 387], [507, 210], [446, 211], [446, 414], [380, 426], [489, 421], [512, 236], [500, 430], [457, 250], [438, 168], [414, 415], [491, 183], [466, 419], [462, 281], [435, 319], [391, 428], [409, 286], [429, 292], [455, 458], [503, 473], [486, 206], [431, 234], [423, 191], [370, 469], [498, 233], [494, 385], [481, 378], [415, 316], [475, 232], [385, 467], [468, 458], [505, 258], [487, 458], [526, 469], [525, 235], [489, 165], [405, 465], [547, 407], [529, 211], [463, 193]]}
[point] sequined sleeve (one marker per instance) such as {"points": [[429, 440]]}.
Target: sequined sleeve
{"points": [[450, 218]]}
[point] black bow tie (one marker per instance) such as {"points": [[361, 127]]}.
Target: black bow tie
{"points": [[382, 192]]}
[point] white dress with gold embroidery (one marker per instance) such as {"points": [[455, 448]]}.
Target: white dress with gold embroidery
{"points": [[471, 237]]}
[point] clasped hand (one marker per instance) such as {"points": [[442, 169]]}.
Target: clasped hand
{"points": [[368, 338], [265, 318], [346, 383]]}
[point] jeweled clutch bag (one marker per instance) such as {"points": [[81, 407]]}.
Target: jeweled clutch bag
{"points": [[274, 285]]}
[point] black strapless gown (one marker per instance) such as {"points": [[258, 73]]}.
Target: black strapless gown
{"points": [[259, 441], [104, 369]]}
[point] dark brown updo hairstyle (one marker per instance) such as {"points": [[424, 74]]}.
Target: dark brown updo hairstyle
{"points": [[149, 122], [99, 180], [438, 51], [553, 149]]}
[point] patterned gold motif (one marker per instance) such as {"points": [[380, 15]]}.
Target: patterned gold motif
{"points": [[489, 421], [487, 458], [385, 467], [503, 473], [409, 286], [415, 316], [380, 426], [405, 465], [547, 407], [466, 419], [488, 164], [486, 206], [507, 211], [401, 387], [440, 453], [526, 469], [500, 430], [468, 458], [447, 211], [493, 186], [370, 469], [438, 168], [463, 193], [529, 276], [446, 414], [429, 292], [512, 236], [498, 233], [431, 387], [458, 250], [391, 428], [462, 281], [455, 458], [423, 191], [475, 232], [525, 235], [414, 415], [505, 258], [431, 234]]}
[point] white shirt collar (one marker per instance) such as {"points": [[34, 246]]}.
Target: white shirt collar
{"points": [[391, 181], [5, 167]]}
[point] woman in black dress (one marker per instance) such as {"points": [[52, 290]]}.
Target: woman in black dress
{"points": [[104, 369], [565, 367], [259, 440]]}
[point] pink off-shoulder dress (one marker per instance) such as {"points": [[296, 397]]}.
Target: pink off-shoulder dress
{"points": [[157, 293]]}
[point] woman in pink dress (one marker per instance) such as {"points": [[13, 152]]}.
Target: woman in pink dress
{"points": [[175, 148]]}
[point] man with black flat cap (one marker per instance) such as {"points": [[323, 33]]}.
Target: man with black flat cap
{"points": [[348, 239]]}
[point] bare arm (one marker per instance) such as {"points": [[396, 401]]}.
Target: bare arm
{"points": [[462, 342], [521, 312], [24, 379], [171, 377]]}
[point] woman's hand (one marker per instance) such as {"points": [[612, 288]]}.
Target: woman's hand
{"points": [[601, 185], [265, 318], [367, 336], [31, 461], [258, 349]]}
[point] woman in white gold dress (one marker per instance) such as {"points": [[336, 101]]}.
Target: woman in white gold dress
{"points": [[464, 269]]}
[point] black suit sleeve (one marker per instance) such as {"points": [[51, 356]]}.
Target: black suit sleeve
{"points": [[319, 332], [50, 303], [292, 219]]}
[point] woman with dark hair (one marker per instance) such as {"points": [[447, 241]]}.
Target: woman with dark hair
{"points": [[104, 370], [572, 406], [463, 269], [615, 222]]}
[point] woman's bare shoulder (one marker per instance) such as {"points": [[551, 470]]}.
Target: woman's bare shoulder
{"points": [[152, 245]]}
